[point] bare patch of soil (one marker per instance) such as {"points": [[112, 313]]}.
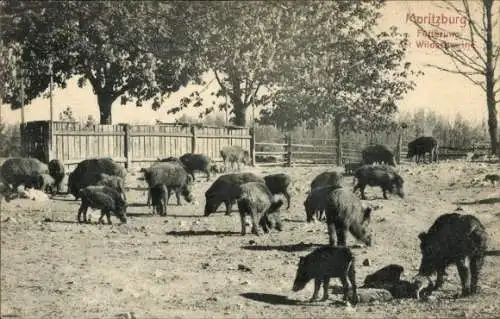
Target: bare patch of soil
{"points": [[185, 265]]}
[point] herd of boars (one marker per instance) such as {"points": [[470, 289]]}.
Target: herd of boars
{"points": [[452, 239]]}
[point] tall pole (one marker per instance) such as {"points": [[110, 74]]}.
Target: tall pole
{"points": [[225, 109], [51, 85], [22, 96], [253, 113]]}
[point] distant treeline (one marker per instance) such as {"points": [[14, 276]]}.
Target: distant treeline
{"points": [[456, 133]]}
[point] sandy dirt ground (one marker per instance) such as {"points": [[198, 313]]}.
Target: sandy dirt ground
{"points": [[185, 265]]}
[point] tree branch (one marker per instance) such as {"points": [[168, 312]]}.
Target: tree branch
{"points": [[468, 75], [496, 56], [93, 80], [222, 86], [256, 90], [472, 23], [473, 29], [248, 85], [123, 89], [456, 54]]}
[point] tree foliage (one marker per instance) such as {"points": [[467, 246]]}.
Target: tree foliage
{"points": [[338, 69], [129, 50], [9, 80], [239, 46]]}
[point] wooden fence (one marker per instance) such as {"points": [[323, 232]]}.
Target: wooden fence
{"points": [[140, 145], [131, 145], [312, 151]]}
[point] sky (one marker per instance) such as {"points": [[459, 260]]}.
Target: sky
{"points": [[444, 93]]}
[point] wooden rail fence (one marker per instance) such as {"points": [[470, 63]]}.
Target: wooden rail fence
{"points": [[324, 151], [130, 145], [139, 145]]}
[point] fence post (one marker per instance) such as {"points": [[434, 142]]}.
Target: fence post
{"points": [[127, 147], [48, 142], [193, 139], [22, 132], [338, 137], [252, 145], [399, 146], [288, 139]]}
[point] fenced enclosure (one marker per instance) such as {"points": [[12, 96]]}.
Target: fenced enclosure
{"points": [[140, 145], [131, 145], [310, 147]]}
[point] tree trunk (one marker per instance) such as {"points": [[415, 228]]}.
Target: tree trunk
{"points": [[338, 138], [105, 102], [490, 81], [399, 146], [240, 111]]}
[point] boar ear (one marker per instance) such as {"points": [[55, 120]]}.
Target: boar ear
{"points": [[367, 213], [422, 236]]}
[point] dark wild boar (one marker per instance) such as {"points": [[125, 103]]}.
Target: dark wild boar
{"points": [[316, 201], [104, 198], [175, 178], [377, 154], [345, 212], [112, 181], [321, 180], [224, 190], [197, 162], [326, 179], [388, 275], [422, 145], [452, 239], [88, 172], [389, 278], [57, 171], [325, 263], [379, 175], [257, 201], [278, 184], [25, 171]]}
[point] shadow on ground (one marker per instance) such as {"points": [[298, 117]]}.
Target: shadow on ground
{"points": [[290, 248], [271, 299], [60, 221], [149, 214], [491, 200], [144, 204], [285, 248], [201, 233], [65, 199], [294, 220]]}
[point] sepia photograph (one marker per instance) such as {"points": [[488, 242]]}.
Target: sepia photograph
{"points": [[250, 159]]}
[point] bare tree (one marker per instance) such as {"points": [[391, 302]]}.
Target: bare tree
{"points": [[475, 56]]}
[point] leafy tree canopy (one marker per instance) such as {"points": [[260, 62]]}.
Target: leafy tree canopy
{"points": [[132, 50], [239, 46], [337, 67]]}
